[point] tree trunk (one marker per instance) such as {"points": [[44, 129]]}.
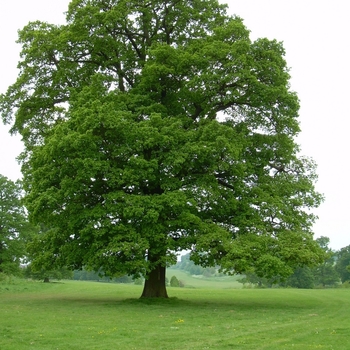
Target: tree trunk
{"points": [[155, 284]]}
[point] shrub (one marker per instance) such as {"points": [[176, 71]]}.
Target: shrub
{"points": [[345, 284], [174, 282]]}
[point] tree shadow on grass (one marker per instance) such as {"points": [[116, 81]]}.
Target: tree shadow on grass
{"points": [[237, 302], [241, 304]]}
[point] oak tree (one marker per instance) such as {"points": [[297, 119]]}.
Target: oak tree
{"points": [[153, 127]]}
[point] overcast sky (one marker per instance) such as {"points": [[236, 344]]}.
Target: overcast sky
{"points": [[315, 36]]}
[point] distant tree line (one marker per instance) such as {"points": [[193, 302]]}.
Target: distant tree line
{"points": [[334, 271], [77, 275], [47, 275], [84, 275]]}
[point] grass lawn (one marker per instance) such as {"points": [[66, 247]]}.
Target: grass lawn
{"points": [[91, 315]]}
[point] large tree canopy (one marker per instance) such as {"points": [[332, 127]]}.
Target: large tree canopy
{"points": [[156, 126]]}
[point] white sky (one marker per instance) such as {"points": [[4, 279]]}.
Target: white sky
{"points": [[315, 36]]}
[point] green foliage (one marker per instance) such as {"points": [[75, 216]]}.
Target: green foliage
{"points": [[325, 274], [188, 265], [84, 275], [346, 284], [343, 263], [138, 281], [302, 278], [322, 275], [5, 278], [174, 282], [15, 229], [47, 275], [250, 279], [163, 128]]}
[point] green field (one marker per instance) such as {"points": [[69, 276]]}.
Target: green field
{"points": [[90, 315], [204, 282]]}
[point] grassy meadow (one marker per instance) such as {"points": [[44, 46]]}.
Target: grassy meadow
{"points": [[201, 281], [78, 315]]}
